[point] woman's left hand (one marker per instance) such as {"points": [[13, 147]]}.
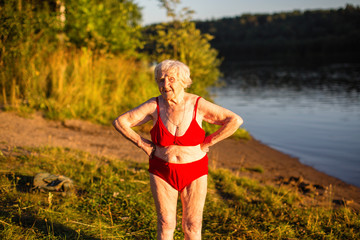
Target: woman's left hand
{"points": [[206, 144]]}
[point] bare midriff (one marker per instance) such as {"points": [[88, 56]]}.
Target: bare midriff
{"points": [[179, 154]]}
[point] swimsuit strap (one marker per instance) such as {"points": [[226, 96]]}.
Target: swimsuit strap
{"points": [[157, 106], [195, 108]]}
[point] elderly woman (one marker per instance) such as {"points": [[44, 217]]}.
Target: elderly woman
{"points": [[177, 151]]}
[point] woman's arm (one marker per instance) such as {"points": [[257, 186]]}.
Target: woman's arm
{"points": [[215, 114], [136, 117]]}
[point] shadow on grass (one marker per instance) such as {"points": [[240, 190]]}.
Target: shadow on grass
{"points": [[28, 221], [48, 227], [23, 183], [43, 226]]}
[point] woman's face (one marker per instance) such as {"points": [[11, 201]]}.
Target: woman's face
{"points": [[169, 86]]}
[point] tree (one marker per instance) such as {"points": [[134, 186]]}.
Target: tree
{"points": [[25, 28], [179, 39], [112, 25]]}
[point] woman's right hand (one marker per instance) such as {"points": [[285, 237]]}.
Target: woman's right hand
{"points": [[148, 146], [150, 150]]}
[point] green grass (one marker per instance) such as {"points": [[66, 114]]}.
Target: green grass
{"points": [[113, 201], [241, 133]]}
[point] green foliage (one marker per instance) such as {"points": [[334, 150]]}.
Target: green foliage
{"points": [[113, 201], [24, 31], [109, 25], [23, 23], [40, 67]]}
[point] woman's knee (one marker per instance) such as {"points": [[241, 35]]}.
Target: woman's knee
{"points": [[192, 226], [166, 223]]}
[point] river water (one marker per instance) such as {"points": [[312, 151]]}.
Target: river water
{"points": [[313, 115]]}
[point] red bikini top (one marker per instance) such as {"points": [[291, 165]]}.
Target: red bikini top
{"points": [[193, 136]]}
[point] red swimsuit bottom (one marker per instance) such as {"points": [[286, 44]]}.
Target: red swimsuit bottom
{"points": [[178, 175]]}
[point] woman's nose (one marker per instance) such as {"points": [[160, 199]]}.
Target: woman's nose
{"points": [[166, 81]]}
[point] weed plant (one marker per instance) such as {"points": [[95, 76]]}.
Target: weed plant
{"points": [[71, 83], [113, 201]]}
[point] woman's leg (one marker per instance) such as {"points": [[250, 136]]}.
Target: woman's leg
{"points": [[165, 198], [193, 200]]}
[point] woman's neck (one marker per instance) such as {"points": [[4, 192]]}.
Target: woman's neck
{"points": [[177, 100]]}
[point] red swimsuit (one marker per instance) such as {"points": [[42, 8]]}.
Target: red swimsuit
{"points": [[178, 175]]}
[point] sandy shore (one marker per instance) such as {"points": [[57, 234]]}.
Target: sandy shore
{"points": [[245, 158]]}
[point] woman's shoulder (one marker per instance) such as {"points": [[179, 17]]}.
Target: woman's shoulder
{"points": [[151, 101], [149, 105], [192, 97]]}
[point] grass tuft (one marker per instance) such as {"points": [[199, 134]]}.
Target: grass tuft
{"points": [[241, 133], [258, 169]]}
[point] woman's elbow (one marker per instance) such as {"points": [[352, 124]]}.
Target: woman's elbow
{"points": [[239, 121], [115, 123], [118, 124]]}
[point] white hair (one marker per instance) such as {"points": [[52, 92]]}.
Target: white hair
{"points": [[179, 69]]}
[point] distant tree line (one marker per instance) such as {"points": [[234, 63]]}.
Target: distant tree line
{"points": [[318, 35]]}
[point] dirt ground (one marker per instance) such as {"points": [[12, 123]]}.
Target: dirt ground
{"points": [[245, 158]]}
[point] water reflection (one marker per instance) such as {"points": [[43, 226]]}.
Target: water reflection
{"points": [[332, 78], [297, 112]]}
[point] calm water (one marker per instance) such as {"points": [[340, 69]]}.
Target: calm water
{"points": [[317, 123]]}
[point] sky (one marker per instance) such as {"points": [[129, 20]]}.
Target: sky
{"points": [[215, 9]]}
